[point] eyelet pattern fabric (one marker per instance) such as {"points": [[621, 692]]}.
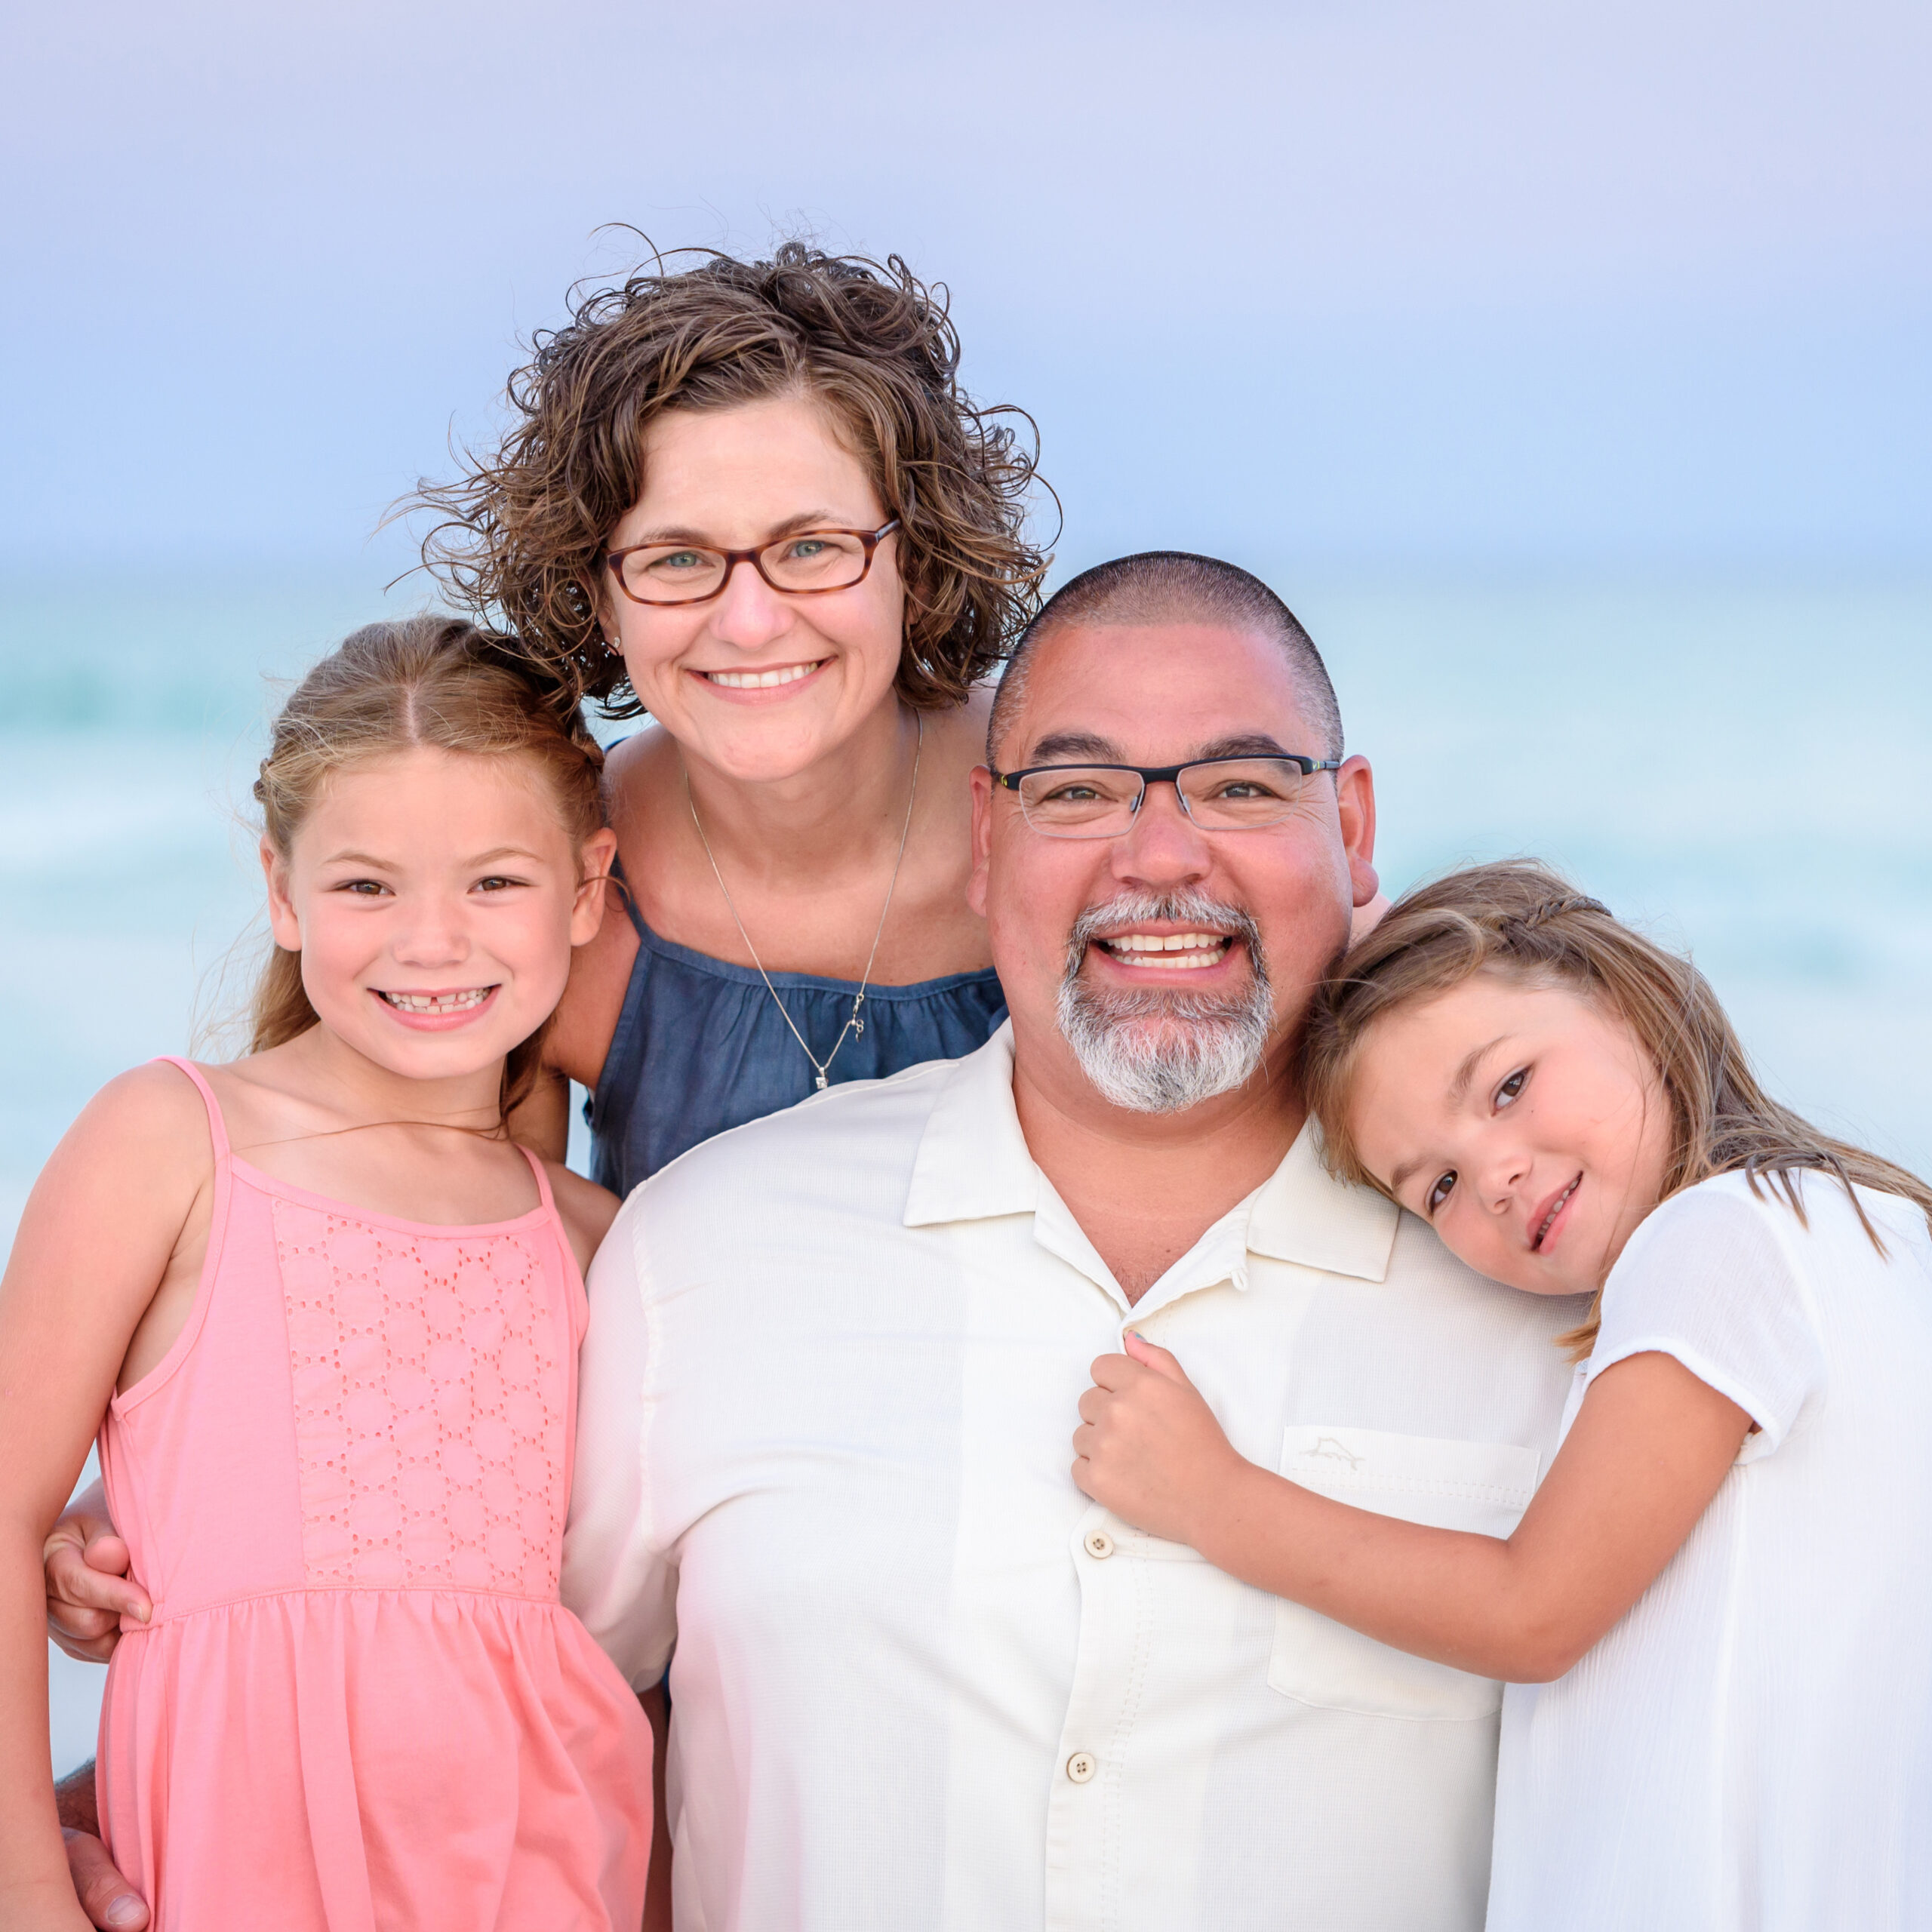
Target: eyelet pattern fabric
{"points": [[430, 1406]]}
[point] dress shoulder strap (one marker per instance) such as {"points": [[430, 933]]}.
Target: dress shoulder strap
{"points": [[218, 1130], [543, 1174], [622, 887]]}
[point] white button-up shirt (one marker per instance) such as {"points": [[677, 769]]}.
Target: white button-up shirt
{"points": [[920, 1681]]}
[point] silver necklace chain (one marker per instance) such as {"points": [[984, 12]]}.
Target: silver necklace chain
{"points": [[855, 1025]]}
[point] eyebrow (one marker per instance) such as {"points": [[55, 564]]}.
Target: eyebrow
{"points": [[1088, 745], [1246, 744], [1074, 744], [685, 533], [1459, 1087], [390, 864]]}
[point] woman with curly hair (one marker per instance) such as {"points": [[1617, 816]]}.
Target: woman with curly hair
{"points": [[750, 500]]}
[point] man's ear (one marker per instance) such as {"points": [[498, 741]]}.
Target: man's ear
{"points": [[283, 923], [983, 838], [1355, 800]]}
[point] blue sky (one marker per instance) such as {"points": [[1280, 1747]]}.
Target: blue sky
{"points": [[1480, 283]]}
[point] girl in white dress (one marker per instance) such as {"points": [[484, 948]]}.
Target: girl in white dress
{"points": [[1715, 1615]]}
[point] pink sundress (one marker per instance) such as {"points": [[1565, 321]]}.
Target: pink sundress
{"points": [[360, 1705]]}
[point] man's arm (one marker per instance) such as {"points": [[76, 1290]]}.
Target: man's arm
{"points": [[88, 1589], [105, 1896], [75, 1799]]}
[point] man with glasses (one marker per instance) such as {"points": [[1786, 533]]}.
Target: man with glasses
{"points": [[918, 1678]]}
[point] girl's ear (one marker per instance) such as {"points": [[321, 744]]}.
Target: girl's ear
{"points": [[599, 853], [283, 922]]}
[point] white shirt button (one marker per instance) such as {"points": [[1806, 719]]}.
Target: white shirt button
{"points": [[1099, 1543], [1081, 1766]]}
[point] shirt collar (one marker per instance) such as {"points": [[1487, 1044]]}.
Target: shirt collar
{"points": [[973, 1164], [1305, 1215]]}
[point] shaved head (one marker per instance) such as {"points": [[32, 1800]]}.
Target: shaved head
{"points": [[1158, 587]]}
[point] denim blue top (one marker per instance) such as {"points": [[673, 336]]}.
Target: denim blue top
{"points": [[700, 1046]]}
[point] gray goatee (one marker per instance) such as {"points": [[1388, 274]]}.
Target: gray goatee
{"points": [[1162, 1051]]}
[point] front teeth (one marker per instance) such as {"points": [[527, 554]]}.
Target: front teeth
{"points": [[761, 681], [1187, 951], [439, 1002], [1561, 1201]]}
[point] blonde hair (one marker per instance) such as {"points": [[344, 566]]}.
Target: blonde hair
{"points": [[429, 681], [1521, 920]]}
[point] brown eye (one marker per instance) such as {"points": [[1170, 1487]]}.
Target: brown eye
{"points": [[1440, 1191], [1513, 1086]]}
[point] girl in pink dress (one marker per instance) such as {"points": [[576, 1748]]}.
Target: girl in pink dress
{"points": [[324, 1318]]}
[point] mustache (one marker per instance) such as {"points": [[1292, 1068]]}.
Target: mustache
{"points": [[1184, 907], [1161, 1050]]}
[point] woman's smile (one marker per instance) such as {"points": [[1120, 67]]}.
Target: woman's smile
{"points": [[774, 677]]}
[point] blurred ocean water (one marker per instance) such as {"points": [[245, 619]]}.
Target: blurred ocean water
{"points": [[1740, 765]]}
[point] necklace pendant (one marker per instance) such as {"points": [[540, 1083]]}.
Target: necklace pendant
{"points": [[858, 1029], [820, 1083]]}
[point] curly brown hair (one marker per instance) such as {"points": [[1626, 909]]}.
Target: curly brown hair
{"points": [[522, 532]]}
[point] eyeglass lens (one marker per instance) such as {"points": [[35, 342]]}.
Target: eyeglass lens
{"points": [[678, 573], [1099, 802]]}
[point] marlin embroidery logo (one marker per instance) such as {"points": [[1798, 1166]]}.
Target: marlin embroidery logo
{"points": [[1336, 1452]]}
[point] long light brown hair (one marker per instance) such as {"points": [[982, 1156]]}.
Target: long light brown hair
{"points": [[521, 538], [1522, 921], [428, 680]]}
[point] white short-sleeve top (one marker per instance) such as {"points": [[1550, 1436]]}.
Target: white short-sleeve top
{"points": [[1751, 1747]]}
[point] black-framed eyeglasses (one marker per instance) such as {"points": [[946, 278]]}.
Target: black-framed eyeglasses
{"points": [[1238, 794], [806, 564]]}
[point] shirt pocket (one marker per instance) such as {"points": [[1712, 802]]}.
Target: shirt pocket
{"points": [[1484, 1487]]}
